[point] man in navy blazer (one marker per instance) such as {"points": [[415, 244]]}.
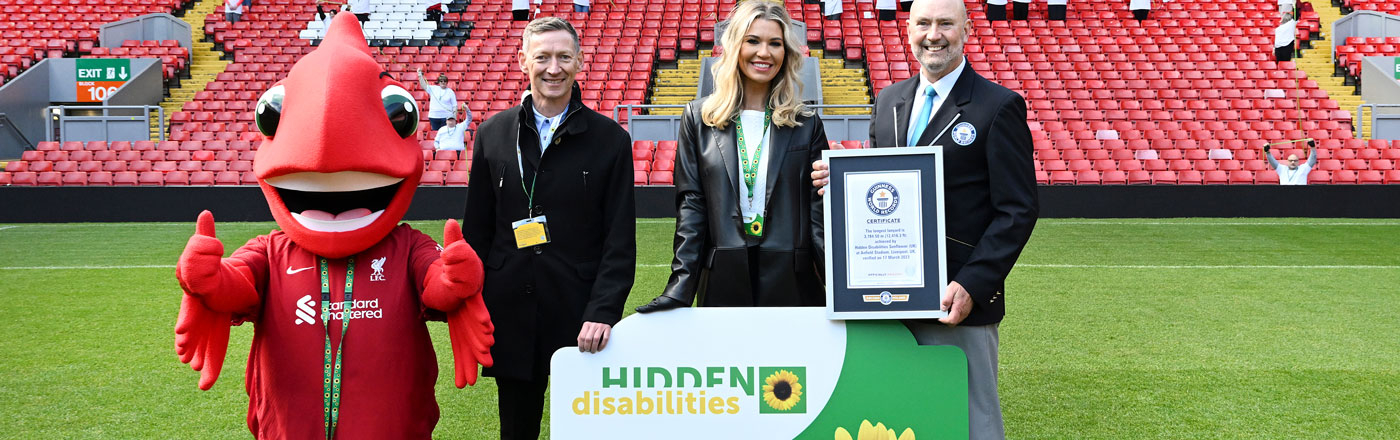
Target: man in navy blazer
{"points": [[989, 188]]}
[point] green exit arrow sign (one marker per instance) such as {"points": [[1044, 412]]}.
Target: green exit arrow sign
{"points": [[103, 69], [99, 78]]}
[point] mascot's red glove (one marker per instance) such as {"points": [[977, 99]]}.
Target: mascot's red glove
{"points": [[453, 285], [214, 290]]}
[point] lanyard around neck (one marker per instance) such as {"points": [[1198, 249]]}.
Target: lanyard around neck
{"points": [[750, 165], [331, 370]]}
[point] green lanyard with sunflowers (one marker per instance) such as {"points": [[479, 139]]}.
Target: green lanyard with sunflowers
{"points": [[332, 370], [750, 167]]}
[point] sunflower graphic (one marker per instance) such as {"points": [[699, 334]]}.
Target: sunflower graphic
{"points": [[782, 390], [877, 432]]}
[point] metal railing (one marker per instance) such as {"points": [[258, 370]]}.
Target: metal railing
{"points": [[1361, 120], [617, 110], [629, 108], [6, 123], [58, 117]]}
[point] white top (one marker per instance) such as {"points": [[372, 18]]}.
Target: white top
{"points": [[1056, 2], [832, 7], [582, 2], [360, 6], [997, 2], [451, 138], [1285, 33], [1288, 176], [943, 87], [233, 6], [442, 102], [888, 4], [1139, 4], [519, 5], [752, 206], [1022, 1]]}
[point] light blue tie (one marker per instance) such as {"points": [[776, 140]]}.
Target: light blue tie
{"points": [[922, 120]]}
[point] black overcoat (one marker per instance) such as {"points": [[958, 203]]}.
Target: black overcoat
{"points": [[540, 296]]}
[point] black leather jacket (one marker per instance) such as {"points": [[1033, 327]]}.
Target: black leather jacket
{"points": [[712, 256]]}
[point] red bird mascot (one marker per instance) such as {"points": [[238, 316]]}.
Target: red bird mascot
{"points": [[340, 295]]}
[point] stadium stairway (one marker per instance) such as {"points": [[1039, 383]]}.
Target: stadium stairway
{"points": [[1317, 62], [677, 85], [843, 85], [205, 62]]}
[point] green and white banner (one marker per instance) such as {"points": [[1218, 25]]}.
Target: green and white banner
{"points": [[759, 373]]}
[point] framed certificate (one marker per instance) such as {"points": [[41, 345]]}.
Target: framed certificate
{"points": [[885, 249]]}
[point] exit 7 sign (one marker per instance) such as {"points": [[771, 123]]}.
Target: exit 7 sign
{"points": [[98, 78]]}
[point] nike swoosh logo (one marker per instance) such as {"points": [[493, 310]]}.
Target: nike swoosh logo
{"points": [[290, 271]]}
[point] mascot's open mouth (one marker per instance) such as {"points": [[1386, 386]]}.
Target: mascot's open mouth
{"points": [[335, 202]]}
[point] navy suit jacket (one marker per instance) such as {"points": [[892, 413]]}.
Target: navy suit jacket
{"points": [[989, 187]]}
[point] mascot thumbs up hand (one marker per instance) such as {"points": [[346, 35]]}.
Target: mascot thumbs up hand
{"points": [[213, 290], [454, 282]]}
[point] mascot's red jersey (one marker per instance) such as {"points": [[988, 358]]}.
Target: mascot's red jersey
{"points": [[338, 297]]}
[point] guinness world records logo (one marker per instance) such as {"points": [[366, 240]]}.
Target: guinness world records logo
{"points": [[882, 199]]}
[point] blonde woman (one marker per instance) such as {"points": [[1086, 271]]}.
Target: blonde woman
{"points": [[748, 221]]}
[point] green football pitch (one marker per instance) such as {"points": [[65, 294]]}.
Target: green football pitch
{"points": [[1115, 329]]}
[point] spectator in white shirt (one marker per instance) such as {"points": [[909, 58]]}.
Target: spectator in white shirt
{"points": [[1284, 36], [442, 101], [886, 9], [996, 10], [451, 136], [1056, 9], [582, 5], [1294, 173], [1020, 9], [1140, 8], [233, 10], [324, 16], [361, 9], [831, 9]]}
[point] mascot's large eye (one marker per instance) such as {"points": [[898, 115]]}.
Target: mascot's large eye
{"points": [[401, 109], [269, 110]]}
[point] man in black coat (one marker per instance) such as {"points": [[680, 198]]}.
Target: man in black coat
{"points": [[989, 188], [551, 211]]}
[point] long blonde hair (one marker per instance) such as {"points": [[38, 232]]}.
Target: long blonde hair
{"points": [[784, 93]]}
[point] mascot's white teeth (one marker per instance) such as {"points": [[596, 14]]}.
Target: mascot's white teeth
{"points": [[343, 181], [321, 221]]}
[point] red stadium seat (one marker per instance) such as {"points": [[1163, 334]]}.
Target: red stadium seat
{"points": [[458, 177], [1370, 177], [1189, 177]]}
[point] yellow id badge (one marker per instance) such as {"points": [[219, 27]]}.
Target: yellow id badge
{"points": [[530, 232]]}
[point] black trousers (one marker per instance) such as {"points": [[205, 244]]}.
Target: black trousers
{"points": [[887, 14], [1057, 12], [1284, 53], [520, 14], [520, 406], [363, 17], [1140, 14], [904, 6], [996, 12], [1020, 11]]}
